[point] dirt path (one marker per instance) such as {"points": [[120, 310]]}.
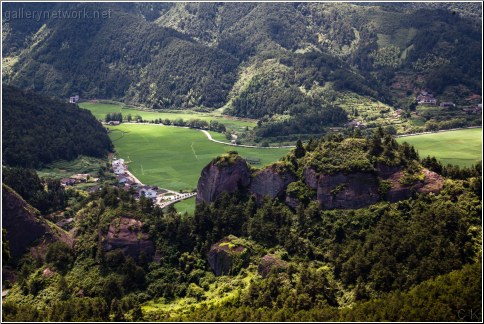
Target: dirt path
{"points": [[241, 145]]}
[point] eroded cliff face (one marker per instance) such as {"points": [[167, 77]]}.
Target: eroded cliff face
{"points": [[218, 177], [432, 182], [226, 257], [269, 182], [25, 227], [126, 234], [351, 191], [333, 191]]}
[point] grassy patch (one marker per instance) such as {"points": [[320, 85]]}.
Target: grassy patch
{"points": [[461, 147], [63, 169], [173, 157], [186, 206], [99, 110]]}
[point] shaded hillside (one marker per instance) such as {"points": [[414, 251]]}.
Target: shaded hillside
{"points": [[24, 225], [37, 130], [248, 55]]}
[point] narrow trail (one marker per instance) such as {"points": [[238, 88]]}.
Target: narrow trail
{"points": [[241, 145]]}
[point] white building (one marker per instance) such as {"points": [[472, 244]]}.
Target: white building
{"points": [[148, 192]]}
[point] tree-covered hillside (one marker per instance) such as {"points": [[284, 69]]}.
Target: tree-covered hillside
{"points": [[37, 130], [212, 54], [243, 258]]}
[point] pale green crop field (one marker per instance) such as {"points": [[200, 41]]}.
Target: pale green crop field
{"points": [[173, 157], [99, 110], [461, 147], [186, 206]]}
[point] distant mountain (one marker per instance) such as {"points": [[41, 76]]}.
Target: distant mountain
{"points": [[247, 56], [37, 130]]}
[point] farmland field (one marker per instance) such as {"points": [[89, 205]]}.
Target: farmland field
{"points": [[460, 147], [173, 157], [99, 110]]}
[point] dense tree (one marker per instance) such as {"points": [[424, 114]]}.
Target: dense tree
{"points": [[38, 130]]}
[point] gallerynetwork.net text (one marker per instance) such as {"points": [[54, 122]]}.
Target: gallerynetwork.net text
{"points": [[39, 15]]}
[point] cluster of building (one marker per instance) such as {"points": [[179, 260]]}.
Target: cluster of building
{"points": [[127, 182], [427, 98], [77, 178]]}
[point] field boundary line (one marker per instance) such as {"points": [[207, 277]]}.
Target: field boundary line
{"points": [[438, 131]]}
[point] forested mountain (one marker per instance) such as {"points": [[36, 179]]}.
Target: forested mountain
{"points": [[37, 130], [247, 255], [256, 59]]}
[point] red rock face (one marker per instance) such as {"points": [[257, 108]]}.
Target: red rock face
{"points": [[432, 182], [126, 234], [216, 179]]}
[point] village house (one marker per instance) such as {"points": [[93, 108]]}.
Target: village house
{"points": [[447, 104], [67, 182], [119, 167], [355, 123], [94, 189], [74, 99], [426, 98], [147, 191], [122, 179]]}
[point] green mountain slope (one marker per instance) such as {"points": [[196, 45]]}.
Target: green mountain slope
{"points": [[253, 59], [37, 130]]}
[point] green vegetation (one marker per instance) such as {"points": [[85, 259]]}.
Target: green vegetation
{"points": [[38, 130], [100, 109], [461, 147], [282, 63], [64, 169], [46, 195], [416, 259], [186, 206], [173, 157]]}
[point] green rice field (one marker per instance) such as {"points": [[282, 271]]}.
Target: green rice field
{"points": [[99, 110], [460, 147], [173, 157]]}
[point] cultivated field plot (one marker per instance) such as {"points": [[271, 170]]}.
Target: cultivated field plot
{"points": [[99, 110], [461, 147], [173, 157]]}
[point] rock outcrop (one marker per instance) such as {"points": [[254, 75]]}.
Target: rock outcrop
{"points": [[269, 182], [354, 190], [226, 175], [25, 227], [226, 257], [345, 190], [432, 182], [269, 262], [126, 234]]}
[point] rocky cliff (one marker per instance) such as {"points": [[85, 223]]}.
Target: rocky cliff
{"points": [[25, 227], [225, 174], [228, 256], [345, 190], [270, 182], [126, 234]]}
